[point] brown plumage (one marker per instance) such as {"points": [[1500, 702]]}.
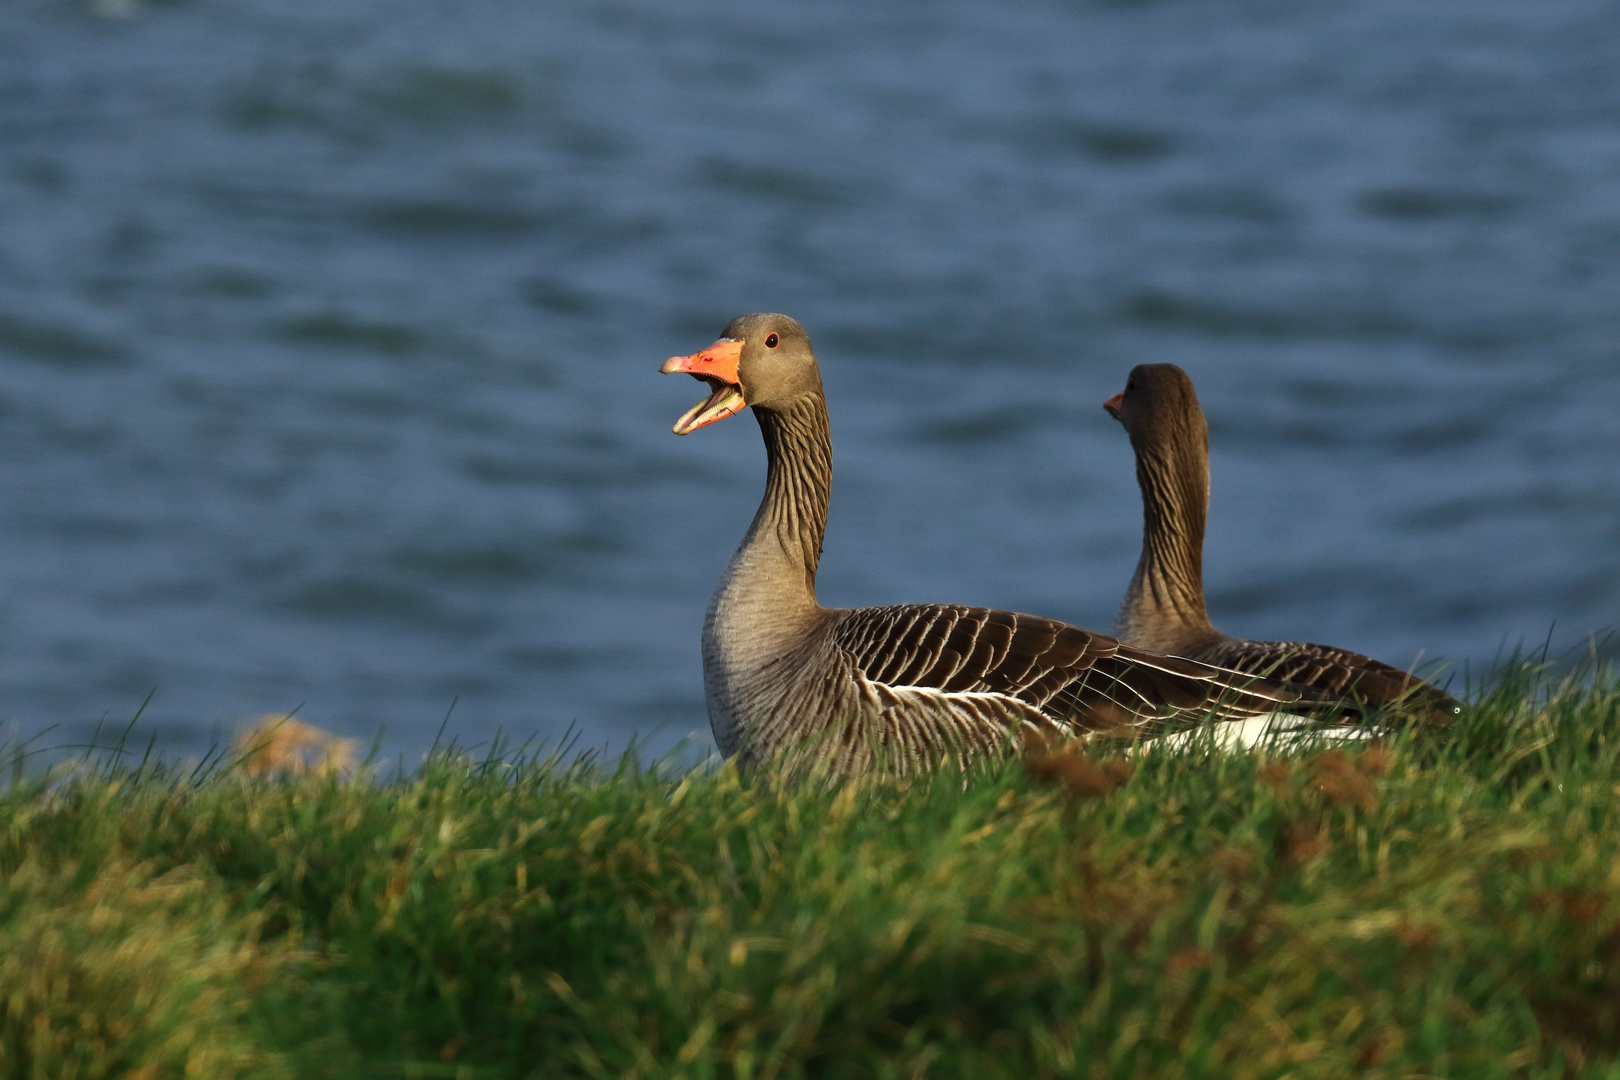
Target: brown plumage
{"points": [[898, 687], [1164, 605]]}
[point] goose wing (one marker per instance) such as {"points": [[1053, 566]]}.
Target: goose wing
{"points": [[1329, 669], [1082, 680]]}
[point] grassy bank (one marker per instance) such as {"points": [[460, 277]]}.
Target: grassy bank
{"points": [[1442, 906]]}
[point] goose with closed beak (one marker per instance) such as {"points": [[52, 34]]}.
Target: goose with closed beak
{"points": [[1164, 605], [898, 689]]}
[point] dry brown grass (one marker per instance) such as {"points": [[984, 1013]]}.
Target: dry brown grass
{"points": [[277, 744]]}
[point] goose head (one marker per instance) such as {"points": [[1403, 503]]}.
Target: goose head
{"points": [[1158, 399], [761, 360]]}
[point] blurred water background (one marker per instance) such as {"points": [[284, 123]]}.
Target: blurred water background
{"points": [[329, 333]]}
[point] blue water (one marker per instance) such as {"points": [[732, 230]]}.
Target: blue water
{"points": [[329, 332]]}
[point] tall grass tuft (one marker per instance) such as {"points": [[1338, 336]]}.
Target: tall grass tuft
{"points": [[1439, 903]]}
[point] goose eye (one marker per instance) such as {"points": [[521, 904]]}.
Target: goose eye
{"points": [[770, 342]]}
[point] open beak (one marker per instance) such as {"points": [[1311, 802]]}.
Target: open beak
{"points": [[1114, 404], [717, 366]]}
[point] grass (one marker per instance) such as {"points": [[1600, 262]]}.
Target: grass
{"points": [[1435, 904]]}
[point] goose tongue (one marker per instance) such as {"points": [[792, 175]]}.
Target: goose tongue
{"points": [[725, 400], [717, 366]]}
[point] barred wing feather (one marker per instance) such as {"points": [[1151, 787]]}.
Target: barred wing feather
{"points": [[1332, 670], [1043, 672]]}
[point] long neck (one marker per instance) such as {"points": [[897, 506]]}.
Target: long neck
{"points": [[760, 635], [1164, 606], [773, 575]]}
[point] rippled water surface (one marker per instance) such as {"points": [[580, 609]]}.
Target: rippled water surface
{"points": [[329, 332]]}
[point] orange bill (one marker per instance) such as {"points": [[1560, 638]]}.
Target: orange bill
{"points": [[1114, 404], [717, 366]]}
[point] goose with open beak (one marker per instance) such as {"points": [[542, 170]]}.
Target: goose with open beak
{"points": [[899, 689]]}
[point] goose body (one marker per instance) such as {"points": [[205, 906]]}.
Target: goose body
{"points": [[1164, 604], [900, 687]]}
